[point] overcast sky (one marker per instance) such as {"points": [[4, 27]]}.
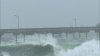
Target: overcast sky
{"points": [[49, 13]]}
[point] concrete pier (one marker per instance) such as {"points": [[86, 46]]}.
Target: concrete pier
{"points": [[53, 31]]}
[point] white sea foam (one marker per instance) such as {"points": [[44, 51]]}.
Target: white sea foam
{"points": [[3, 53], [90, 48]]}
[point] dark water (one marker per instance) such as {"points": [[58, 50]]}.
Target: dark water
{"points": [[28, 50]]}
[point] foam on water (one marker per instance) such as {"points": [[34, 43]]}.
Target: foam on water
{"points": [[44, 45], [3, 53], [41, 39], [90, 48]]}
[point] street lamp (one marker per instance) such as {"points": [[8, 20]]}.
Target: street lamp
{"points": [[75, 22], [17, 19], [0, 14]]}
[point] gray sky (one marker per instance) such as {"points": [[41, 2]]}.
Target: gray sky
{"points": [[49, 13]]}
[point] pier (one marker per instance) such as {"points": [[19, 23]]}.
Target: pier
{"points": [[56, 30]]}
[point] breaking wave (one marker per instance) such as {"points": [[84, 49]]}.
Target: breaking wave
{"points": [[27, 50], [89, 48], [50, 47]]}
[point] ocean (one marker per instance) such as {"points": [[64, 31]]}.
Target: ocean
{"points": [[51, 45]]}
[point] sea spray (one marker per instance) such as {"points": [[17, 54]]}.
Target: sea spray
{"points": [[45, 47], [3, 53], [46, 44], [89, 48]]}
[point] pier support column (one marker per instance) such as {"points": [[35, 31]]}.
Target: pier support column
{"points": [[86, 35], [38, 35], [53, 35], [24, 39], [99, 35], [16, 36], [79, 35], [73, 35], [0, 38], [66, 36]]}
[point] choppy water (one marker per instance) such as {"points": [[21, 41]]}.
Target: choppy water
{"points": [[89, 48], [48, 46]]}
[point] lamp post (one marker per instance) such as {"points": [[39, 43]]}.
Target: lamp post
{"points": [[0, 14], [99, 11], [0, 21], [18, 27], [75, 22], [17, 20]]}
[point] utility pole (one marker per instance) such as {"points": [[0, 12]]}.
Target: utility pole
{"points": [[17, 20], [17, 17], [99, 11], [0, 22], [0, 14], [75, 20]]}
